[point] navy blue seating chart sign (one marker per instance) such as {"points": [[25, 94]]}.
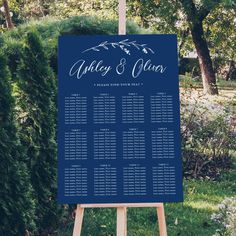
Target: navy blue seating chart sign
{"points": [[119, 119]]}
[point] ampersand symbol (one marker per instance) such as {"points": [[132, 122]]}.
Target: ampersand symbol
{"points": [[121, 66]]}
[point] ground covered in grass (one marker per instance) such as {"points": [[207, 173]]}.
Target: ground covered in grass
{"points": [[201, 201], [191, 218]]}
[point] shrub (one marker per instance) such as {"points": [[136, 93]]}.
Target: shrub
{"points": [[36, 99], [207, 137], [17, 208]]}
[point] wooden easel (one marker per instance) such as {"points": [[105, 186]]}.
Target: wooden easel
{"points": [[121, 227]]}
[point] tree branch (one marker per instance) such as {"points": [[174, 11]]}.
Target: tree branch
{"points": [[203, 13], [190, 9], [193, 14]]}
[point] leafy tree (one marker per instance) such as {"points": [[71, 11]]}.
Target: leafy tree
{"points": [[36, 99], [183, 16], [195, 14], [16, 205], [220, 31]]}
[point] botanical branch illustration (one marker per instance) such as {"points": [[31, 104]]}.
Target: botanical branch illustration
{"points": [[124, 45]]}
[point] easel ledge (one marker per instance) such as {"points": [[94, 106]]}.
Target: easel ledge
{"points": [[121, 216]]}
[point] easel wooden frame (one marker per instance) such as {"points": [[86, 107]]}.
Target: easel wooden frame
{"points": [[121, 227]]}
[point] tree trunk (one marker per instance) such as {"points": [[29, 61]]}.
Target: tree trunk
{"points": [[7, 14], [207, 71]]}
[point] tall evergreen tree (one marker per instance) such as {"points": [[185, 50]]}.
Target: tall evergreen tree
{"points": [[16, 204], [37, 101]]}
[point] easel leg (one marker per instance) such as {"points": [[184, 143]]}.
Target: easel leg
{"points": [[78, 221], [121, 227], [161, 220]]}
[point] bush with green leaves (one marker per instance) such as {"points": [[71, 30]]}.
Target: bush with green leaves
{"points": [[17, 206], [226, 218], [36, 100], [208, 137]]}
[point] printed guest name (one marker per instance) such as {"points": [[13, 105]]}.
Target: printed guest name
{"points": [[80, 68]]}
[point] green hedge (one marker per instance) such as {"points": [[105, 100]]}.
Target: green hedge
{"points": [[17, 207], [28, 61]]}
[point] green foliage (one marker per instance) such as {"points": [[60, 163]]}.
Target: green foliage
{"points": [[16, 202], [36, 100], [207, 147], [220, 32], [208, 135], [105, 9], [97, 220]]}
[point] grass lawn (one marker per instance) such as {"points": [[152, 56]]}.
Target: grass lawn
{"points": [[201, 200], [191, 218]]}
